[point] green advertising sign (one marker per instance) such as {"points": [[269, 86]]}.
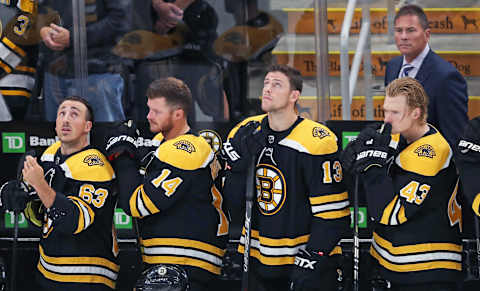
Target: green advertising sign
{"points": [[348, 136], [9, 220], [362, 217], [122, 220], [13, 142]]}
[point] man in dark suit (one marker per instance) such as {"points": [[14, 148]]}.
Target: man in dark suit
{"points": [[445, 86]]}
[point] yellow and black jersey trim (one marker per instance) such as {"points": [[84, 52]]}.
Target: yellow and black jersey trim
{"points": [[186, 152], [28, 6], [86, 215], [80, 167], [394, 213], [20, 82], [312, 138], [276, 251], [78, 269], [273, 251], [158, 137], [183, 252], [426, 156], [234, 130], [331, 206], [476, 204], [140, 204], [11, 55], [416, 257], [49, 154]]}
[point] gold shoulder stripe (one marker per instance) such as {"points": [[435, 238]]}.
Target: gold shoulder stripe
{"points": [[476, 204], [158, 136], [186, 152], [28, 6], [426, 156], [312, 138], [81, 166], [234, 130], [49, 153]]}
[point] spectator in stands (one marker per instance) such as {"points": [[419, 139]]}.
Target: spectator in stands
{"points": [[175, 39], [106, 21], [444, 85]]}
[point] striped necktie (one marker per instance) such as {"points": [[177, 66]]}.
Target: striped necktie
{"points": [[405, 69]]}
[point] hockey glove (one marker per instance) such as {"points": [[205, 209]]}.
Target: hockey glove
{"points": [[372, 149], [249, 140], [349, 155], [35, 212], [308, 270], [122, 139], [468, 148], [13, 197]]}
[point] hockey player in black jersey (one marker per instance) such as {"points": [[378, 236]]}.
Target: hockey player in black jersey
{"points": [[181, 220], [73, 181], [411, 194], [467, 159], [301, 207]]}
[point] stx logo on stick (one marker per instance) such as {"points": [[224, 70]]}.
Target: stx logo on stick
{"points": [[304, 263]]}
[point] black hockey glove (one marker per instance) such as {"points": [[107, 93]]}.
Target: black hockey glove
{"points": [[122, 139], [349, 155], [308, 270], [468, 148], [13, 196], [372, 148], [249, 140]]}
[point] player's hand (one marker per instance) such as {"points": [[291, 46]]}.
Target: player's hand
{"points": [[13, 197], [249, 140], [122, 139], [372, 148], [468, 148], [308, 270], [349, 155]]}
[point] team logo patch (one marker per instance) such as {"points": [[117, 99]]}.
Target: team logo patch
{"points": [[93, 160], [185, 145], [271, 189], [213, 139], [320, 132], [425, 150]]}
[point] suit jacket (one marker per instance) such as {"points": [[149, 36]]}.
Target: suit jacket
{"points": [[447, 92]]}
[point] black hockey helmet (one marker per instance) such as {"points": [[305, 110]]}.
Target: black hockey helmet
{"points": [[163, 277]]}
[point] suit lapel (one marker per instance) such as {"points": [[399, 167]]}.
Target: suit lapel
{"points": [[426, 67]]}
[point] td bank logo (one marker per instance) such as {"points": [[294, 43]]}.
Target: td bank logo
{"points": [[122, 220], [362, 217], [348, 136], [13, 142], [10, 220]]}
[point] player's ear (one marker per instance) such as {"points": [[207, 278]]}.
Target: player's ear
{"points": [[88, 125]]}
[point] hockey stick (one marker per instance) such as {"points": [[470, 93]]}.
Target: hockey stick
{"points": [[356, 238], [16, 213], [477, 239], [248, 221]]}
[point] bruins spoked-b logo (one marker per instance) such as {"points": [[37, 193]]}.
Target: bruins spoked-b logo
{"points": [[319, 132], [185, 145], [425, 150], [213, 139], [93, 160], [271, 189]]}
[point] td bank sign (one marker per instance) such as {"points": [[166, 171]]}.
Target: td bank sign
{"points": [[13, 142]]}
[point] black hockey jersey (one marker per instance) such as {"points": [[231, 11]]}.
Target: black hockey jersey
{"points": [[180, 210], [78, 247], [417, 235], [18, 50], [300, 201]]}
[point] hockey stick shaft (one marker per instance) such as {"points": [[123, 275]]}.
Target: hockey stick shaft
{"points": [[248, 222], [356, 239], [477, 239]]}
